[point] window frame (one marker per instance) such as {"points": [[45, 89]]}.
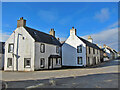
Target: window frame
{"points": [[81, 60], [57, 49], [43, 48], [79, 49], [42, 62], [58, 61], [89, 50], [88, 60], [9, 48], [93, 50], [8, 63], [25, 63]]}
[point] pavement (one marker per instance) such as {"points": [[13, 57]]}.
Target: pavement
{"points": [[103, 76]]}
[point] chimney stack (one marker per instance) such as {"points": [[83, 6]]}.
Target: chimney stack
{"points": [[90, 39], [52, 32], [21, 22], [58, 39], [72, 31]]}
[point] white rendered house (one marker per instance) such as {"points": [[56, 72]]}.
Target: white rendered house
{"points": [[77, 51], [28, 49]]}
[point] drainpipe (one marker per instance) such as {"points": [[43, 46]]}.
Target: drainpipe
{"points": [[13, 49]]}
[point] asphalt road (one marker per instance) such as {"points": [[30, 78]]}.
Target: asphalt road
{"points": [[102, 76]]}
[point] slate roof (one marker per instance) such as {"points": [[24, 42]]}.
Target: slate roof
{"points": [[2, 51], [42, 37], [89, 43]]}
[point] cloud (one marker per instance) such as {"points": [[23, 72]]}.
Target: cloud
{"points": [[102, 15], [108, 37], [48, 15], [4, 37]]}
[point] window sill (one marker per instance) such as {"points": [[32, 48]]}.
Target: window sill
{"points": [[27, 66]]}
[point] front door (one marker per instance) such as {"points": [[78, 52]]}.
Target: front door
{"points": [[50, 63]]}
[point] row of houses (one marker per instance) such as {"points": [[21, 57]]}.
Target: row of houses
{"points": [[28, 49]]}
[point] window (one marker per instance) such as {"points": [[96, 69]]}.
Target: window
{"points": [[88, 61], [79, 49], [42, 48], [10, 48], [57, 49], [79, 59], [27, 62], [9, 62], [89, 50], [58, 61], [42, 62], [97, 51], [93, 51]]}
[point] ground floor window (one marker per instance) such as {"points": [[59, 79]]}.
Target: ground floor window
{"points": [[79, 60], [88, 60], [9, 62], [58, 61], [42, 62], [27, 62]]}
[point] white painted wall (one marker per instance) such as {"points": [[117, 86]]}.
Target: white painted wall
{"points": [[25, 50], [69, 51], [49, 50]]}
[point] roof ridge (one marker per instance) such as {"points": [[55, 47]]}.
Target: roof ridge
{"points": [[38, 31]]}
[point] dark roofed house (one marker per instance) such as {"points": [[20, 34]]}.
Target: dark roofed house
{"points": [[30, 49], [2, 51]]}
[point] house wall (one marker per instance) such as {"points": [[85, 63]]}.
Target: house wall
{"points": [[1, 61], [23, 48], [69, 51], [91, 56], [49, 50]]}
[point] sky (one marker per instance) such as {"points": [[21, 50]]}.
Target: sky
{"points": [[98, 19]]}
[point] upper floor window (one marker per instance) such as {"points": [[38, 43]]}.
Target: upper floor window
{"points": [[79, 49], [42, 48], [93, 51], [97, 51], [57, 49], [89, 50], [10, 48], [79, 60], [27, 62]]}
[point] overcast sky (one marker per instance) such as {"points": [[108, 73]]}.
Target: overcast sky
{"points": [[100, 20]]}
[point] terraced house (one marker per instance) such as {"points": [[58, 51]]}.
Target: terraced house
{"points": [[77, 51], [28, 49]]}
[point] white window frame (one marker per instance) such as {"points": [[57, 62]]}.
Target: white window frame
{"points": [[79, 49], [10, 49], [42, 62], [42, 48], [57, 49], [8, 62], [79, 60], [58, 61], [25, 62]]}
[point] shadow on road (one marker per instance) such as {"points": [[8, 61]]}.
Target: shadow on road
{"points": [[107, 80]]}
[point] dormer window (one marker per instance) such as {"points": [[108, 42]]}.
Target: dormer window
{"points": [[79, 49], [10, 48]]}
